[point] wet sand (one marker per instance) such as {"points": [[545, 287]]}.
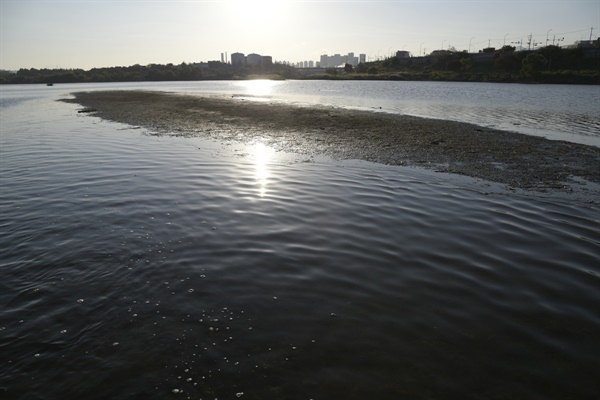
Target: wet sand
{"points": [[517, 160]]}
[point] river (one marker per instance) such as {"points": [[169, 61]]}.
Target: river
{"points": [[141, 266]]}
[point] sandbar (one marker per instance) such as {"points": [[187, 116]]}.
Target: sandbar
{"points": [[517, 160]]}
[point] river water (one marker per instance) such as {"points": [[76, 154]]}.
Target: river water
{"points": [[137, 266]]}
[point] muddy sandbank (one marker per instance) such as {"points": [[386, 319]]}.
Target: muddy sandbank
{"points": [[518, 160]]}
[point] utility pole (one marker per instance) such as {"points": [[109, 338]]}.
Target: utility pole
{"points": [[591, 30], [558, 40]]}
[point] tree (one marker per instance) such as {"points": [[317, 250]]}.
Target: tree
{"points": [[361, 68], [390, 62], [506, 60], [507, 49], [553, 54], [348, 68], [466, 63], [533, 65]]}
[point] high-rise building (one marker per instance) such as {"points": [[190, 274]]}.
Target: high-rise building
{"points": [[238, 59], [362, 58], [350, 59], [337, 60], [253, 59], [324, 61]]}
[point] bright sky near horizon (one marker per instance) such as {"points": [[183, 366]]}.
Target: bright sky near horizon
{"points": [[105, 33]]}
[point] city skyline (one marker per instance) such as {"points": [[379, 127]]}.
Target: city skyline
{"points": [[103, 33], [529, 43]]}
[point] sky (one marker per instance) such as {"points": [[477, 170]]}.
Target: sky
{"points": [[105, 33]]}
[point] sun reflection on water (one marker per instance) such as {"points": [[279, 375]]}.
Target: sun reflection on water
{"points": [[260, 87], [262, 155]]}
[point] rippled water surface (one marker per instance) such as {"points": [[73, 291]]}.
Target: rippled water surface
{"points": [[135, 266], [559, 112]]}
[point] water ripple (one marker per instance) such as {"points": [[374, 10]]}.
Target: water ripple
{"points": [[168, 260]]}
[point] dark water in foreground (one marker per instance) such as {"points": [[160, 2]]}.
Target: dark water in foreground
{"points": [[143, 267]]}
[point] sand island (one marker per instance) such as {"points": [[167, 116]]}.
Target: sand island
{"points": [[517, 160]]}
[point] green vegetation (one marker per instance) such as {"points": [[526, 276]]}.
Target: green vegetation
{"points": [[152, 72], [550, 64]]}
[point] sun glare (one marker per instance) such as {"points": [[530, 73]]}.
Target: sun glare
{"points": [[261, 159], [256, 11], [259, 87]]}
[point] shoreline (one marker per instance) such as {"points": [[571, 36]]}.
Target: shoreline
{"points": [[517, 160]]}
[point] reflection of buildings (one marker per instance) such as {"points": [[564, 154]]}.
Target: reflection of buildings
{"points": [[251, 59]]}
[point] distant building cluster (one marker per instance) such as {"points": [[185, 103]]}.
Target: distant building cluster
{"points": [[334, 61], [326, 61], [240, 59], [303, 64], [338, 60]]}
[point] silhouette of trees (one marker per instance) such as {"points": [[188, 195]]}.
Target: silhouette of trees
{"points": [[549, 64], [361, 68], [466, 63], [506, 59], [134, 73], [390, 62], [533, 65]]}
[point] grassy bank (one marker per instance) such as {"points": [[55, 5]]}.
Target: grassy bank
{"points": [[553, 77]]}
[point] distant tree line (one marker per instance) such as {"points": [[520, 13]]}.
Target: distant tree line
{"points": [[550, 64], [140, 73]]}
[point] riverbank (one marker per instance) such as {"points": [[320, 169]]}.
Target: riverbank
{"points": [[517, 160], [567, 77]]}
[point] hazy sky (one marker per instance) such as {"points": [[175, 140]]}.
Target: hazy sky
{"points": [[104, 33]]}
